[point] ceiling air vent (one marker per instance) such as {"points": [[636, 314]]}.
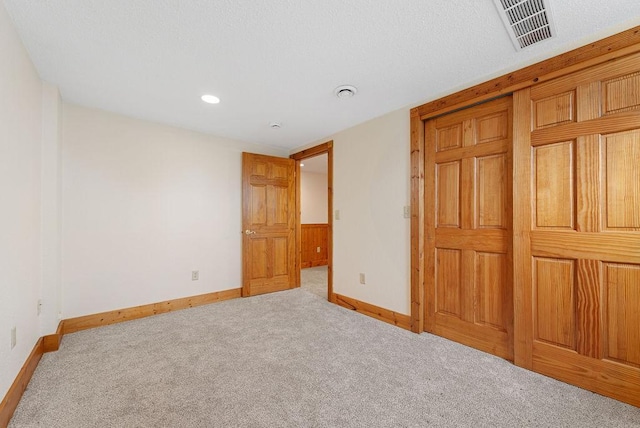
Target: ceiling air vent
{"points": [[527, 21]]}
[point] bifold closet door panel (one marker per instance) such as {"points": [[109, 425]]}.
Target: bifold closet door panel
{"points": [[468, 260], [582, 296]]}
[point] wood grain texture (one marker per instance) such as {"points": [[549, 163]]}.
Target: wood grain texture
{"points": [[72, 325], [588, 309], [52, 342], [491, 340], [429, 268], [448, 203], [554, 302], [522, 220], [382, 314], [586, 315], [603, 78], [588, 182], [417, 225], [588, 95], [486, 149], [449, 138], [448, 281], [554, 110], [314, 237], [491, 210], [471, 198], [329, 151], [603, 50], [269, 224], [298, 214], [622, 309], [622, 180], [492, 283], [17, 388], [623, 247], [609, 378], [604, 125], [601, 74], [554, 186], [621, 94]]}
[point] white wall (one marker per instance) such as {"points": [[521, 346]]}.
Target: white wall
{"points": [[313, 197], [51, 205], [371, 186], [143, 205], [20, 137]]}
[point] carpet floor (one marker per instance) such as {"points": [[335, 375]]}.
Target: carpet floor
{"points": [[291, 359], [314, 280]]}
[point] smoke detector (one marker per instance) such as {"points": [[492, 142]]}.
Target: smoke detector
{"points": [[345, 91], [527, 21]]}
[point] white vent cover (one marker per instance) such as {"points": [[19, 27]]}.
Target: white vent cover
{"points": [[527, 21]]}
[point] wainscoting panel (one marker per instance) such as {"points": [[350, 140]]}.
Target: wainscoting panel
{"points": [[315, 238]]}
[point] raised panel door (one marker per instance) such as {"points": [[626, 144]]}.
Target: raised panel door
{"points": [[268, 223], [468, 226], [581, 303]]}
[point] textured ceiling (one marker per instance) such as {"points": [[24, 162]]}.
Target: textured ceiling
{"points": [[280, 60]]}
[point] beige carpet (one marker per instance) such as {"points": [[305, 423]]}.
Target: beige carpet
{"points": [[291, 359], [314, 280]]}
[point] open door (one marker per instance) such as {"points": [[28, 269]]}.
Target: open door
{"points": [[268, 224]]}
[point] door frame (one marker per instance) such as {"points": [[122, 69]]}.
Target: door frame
{"points": [[299, 156], [616, 46]]}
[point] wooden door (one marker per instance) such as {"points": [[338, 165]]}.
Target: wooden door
{"points": [[468, 227], [268, 224], [578, 194]]}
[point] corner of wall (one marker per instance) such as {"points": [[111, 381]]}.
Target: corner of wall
{"points": [[50, 283]]}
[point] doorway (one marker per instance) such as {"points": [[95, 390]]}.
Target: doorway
{"points": [[314, 225]]}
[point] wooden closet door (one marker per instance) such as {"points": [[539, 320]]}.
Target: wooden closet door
{"points": [[579, 261], [468, 227]]}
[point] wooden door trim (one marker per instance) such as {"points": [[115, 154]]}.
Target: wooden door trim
{"points": [[522, 321], [298, 156], [616, 46], [418, 237]]}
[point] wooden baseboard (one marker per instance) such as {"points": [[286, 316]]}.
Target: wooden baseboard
{"points": [[72, 325], [51, 342], [11, 400], [314, 263], [386, 315]]}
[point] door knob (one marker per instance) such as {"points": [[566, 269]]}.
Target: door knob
{"points": [[249, 232]]}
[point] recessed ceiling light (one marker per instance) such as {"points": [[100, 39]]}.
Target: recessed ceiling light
{"points": [[275, 125], [345, 91], [210, 99], [301, 164]]}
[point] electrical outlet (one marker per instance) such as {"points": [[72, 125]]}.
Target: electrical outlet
{"points": [[13, 337], [407, 211], [39, 306], [317, 249], [362, 278], [195, 275], [337, 214]]}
